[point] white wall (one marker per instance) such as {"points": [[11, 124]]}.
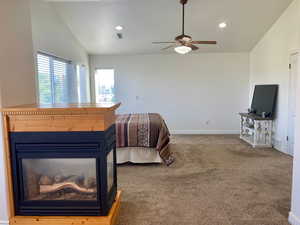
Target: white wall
{"points": [[294, 217], [51, 35], [195, 93], [17, 70], [269, 64], [269, 61], [16, 56]]}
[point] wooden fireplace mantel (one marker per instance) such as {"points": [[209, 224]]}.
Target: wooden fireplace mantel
{"points": [[57, 118], [60, 117]]}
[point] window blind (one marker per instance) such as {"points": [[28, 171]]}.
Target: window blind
{"points": [[52, 79], [44, 78], [61, 81], [83, 84]]}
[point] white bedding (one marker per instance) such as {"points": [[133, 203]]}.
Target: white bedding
{"points": [[138, 155]]}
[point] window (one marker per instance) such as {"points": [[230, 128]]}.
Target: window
{"points": [[105, 85], [61, 81], [52, 79]]}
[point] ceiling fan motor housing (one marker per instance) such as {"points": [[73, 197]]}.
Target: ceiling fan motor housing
{"points": [[183, 2], [183, 37]]}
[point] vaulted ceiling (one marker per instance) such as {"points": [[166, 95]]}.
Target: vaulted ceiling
{"points": [[144, 21]]}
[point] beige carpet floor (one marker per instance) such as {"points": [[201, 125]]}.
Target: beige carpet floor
{"points": [[216, 180]]}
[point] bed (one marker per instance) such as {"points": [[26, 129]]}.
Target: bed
{"points": [[142, 138]]}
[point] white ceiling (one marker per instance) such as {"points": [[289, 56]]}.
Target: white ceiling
{"points": [[145, 21]]}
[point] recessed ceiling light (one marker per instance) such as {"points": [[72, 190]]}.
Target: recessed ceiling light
{"points": [[222, 25], [119, 28]]}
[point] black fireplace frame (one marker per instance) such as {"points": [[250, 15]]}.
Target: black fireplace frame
{"points": [[96, 145]]}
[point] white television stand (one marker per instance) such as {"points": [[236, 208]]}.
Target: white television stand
{"points": [[256, 131]]}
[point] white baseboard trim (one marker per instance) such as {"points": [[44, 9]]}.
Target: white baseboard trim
{"points": [[2, 222], [293, 219], [281, 148], [204, 131]]}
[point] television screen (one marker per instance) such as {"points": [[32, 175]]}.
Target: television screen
{"points": [[264, 99]]}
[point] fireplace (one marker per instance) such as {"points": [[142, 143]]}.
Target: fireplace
{"points": [[61, 164], [63, 173]]}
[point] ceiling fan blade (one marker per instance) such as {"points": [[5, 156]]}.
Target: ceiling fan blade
{"points": [[170, 46], [204, 42], [193, 47], [163, 42]]}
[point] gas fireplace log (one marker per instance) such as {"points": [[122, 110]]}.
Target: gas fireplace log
{"points": [[44, 189]]}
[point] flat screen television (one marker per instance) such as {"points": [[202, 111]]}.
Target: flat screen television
{"points": [[264, 100]]}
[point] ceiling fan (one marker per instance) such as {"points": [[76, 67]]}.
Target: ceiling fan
{"points": [[183, 43]]}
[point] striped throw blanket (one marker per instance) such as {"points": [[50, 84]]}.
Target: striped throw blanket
{"points": [[144, 130]]}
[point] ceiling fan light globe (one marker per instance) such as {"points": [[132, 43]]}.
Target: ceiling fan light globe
{"points": [[182, 49]]}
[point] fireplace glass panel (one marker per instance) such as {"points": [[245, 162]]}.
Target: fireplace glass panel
{"points": [[62, 179], [110, 170]]}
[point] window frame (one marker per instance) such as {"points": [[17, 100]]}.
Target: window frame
{"points": [[79, 84]]}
